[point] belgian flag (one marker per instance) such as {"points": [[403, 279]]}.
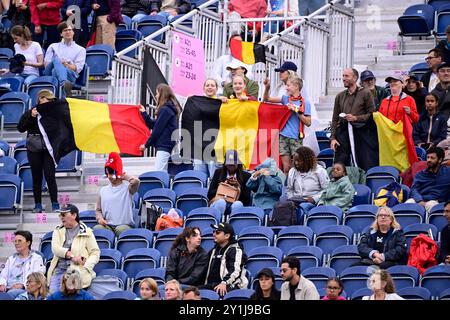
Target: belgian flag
{"points": [[247, 52], [71, 124], [251, 127]]}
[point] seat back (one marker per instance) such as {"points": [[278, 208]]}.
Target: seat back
{"points": [[318, 275], [310, 256], [246, 217], [343, 257], [322, 216], [363, 195], [326, 156], [99, 59], [151, 24], [294, 236]]}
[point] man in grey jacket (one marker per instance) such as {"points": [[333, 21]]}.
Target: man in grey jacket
{"points": [[296, 287]]}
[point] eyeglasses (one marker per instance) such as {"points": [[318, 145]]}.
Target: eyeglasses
{"points": [[333, 288], [284, 270], [384, 215]]}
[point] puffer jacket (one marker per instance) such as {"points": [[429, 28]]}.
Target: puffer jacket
{"points": [[394, 247], [339, 193], [187, 268]]}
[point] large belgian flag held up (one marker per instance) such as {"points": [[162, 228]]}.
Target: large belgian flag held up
{"points": [[91, 126], [250, 127], [247, 52]]}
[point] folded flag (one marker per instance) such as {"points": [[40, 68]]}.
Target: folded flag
{"points": [[212, 127], [247, 52], [91, 126], [396, 146]]}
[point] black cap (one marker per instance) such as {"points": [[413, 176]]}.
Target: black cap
{"points": [[69, 208], [223, 226], [287, 65], [231, 158], [266, 272], [366, 75], [443, 65]]}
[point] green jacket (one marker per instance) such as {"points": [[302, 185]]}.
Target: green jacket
{"points": [[251, 87], [356, 175], [339, 193], [380, 94]]}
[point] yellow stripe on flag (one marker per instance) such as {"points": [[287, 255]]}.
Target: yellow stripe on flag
{"points": [[92, 127], [237, 129], [248, 55], [392, 143]]}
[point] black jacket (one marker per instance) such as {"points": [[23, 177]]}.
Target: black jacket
{"points": [[442, 45], [444, 249], [221, 175], [28, 123], [131, 7], [394, 249], [444, 99], [438, 131], [183, 6], [187, 268]]}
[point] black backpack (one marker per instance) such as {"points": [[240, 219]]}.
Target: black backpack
{"points": [[153, 213], [284, 214]]}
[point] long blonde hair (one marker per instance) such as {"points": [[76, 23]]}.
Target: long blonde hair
{"points": [[394, 223], [39, 278]]}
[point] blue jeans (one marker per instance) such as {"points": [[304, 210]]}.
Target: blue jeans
{"points": [[55, 280], [58, 70], [226, 207], [28, 78], [302, 209], [166, 15], [207, 167], [138, 16]]}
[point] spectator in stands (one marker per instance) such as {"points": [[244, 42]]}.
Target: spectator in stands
{"points": [[431, 185], [65, 59], [238, 9], [443, 89], [74, 248], [432, 126], [167, 112], [237, 68], [81, 30], [191, 293], [108, 17], [444, 46], [71, 287], [170, 8], [45, 16], [383, 287], [115, 201], [384, 245], [444, 249], [38, 156], [31, 50], [220, 70], [13, 277], [434, 59], [415, 89], [210, 88], [187, 259], [148, 289], [354, 106], [36, 286], [227, 259], [295, 286], [265, 288], [368, 81], [173, 290], [334, 289], [239, 90], [340, 191], [232, 173], [306, 181], [445, 145], [4, 6], [292, 134], [19, 12], [279, 9], [266, 184], [135, 9], [285, 73]]}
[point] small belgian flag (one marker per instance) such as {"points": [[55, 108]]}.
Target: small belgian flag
{"points": [[247, 52]]}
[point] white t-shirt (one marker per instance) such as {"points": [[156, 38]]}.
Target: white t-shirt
{"points": [[31, 56]]}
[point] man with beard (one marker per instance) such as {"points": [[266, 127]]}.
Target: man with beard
{"points": [[295, 286], [369, 81], [353, 131], [432, 185]]}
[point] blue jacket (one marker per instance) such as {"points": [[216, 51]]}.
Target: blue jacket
{"points": [[432, 186], [81, 295], [162, 128], [438, 131]]}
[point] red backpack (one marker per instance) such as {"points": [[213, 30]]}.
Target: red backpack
{"points": [[422, 253]]}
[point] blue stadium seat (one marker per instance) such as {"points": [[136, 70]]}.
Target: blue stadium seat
{"points": [[125, 25], [310, 256], [134, 238], [405, 189], [241, 294], [202, 218], [343, 257], [330, 237], [414, 293], [5, 147], [11, 193], [436, 216], [278, 280], [164, 198], [404, 276], [189, 179], [99, 59], [24, 173], [252, 237], [45, 246], [436, 279], [164, 239], [82, 83], [418, 70], [150, 24], [318, 275], [68, 163], [120, 295], [8, 165], [323, 293], [355, 278], [322, 216], [20, 151], [88, 217], [413, 230], [363, 195], [209, 294], [40, 83], [5, 55], [186, 22], [327, 156], [109, 259], [177, 164], [120, 275], [445, 295], [106, 239], [409, 213], [443, 19], [207, 239], [294, 236], [421, 154], [15, 83], [323, 138], [381, 176], [360, 293], [12, 106], [246, 217], [152, 180], [188, 200], [140, 259], [158, 274], [263, 257], [417, 20], [359, 217], [5, 296], [125, 39]]}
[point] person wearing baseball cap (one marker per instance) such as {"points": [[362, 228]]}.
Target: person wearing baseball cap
{"points": [[368, 81], [225, 270], [114, 209], [238, 68], [442, 89], [266, 288], [74, 246]]}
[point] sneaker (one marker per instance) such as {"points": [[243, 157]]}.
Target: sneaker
{"points": [[37, 208], [68, 88], [55, 207]]}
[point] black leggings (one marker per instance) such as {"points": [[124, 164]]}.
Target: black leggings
{"points": [[43, 162]]}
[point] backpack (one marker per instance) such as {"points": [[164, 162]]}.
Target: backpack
{"points": [[284, 214], [153, 213], [390, 195], [422, 253]]}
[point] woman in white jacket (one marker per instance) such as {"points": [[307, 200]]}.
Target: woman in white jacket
{"points": [[13, 277]]}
